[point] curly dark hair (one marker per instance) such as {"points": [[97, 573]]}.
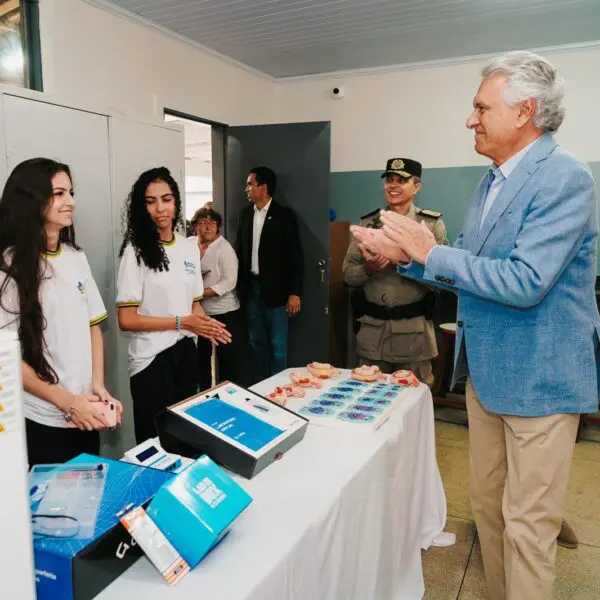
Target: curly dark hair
{"points": [[140, 230], [26, 196]]}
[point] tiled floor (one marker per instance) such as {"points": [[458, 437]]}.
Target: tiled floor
{"points": [[456, 573]]}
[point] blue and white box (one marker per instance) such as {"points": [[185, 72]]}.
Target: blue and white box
{"points": [[79, 569], [196, 509], [237, 428]]}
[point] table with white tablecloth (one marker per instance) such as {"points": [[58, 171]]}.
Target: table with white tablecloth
{"points": [[342, 516]]}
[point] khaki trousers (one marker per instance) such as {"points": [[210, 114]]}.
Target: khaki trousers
{"points": [[518, 475]]}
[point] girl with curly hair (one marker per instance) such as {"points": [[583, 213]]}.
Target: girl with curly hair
{"points": [[159, 289], [48, 296]]}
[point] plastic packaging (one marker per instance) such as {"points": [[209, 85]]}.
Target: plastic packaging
{"points": [[65, 499]]}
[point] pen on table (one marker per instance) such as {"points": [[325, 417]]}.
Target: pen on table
{"points": [[260, 407], [83, 469], [124, 510]]}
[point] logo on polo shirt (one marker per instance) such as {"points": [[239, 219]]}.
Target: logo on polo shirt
{"points": [[190, 267], [80, 288]]}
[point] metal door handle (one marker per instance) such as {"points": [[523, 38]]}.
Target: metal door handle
{"points": [[322, 264]]}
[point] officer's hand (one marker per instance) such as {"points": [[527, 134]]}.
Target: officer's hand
{"points": [[373, 262]]}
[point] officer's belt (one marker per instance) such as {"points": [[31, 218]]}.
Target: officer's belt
{"points": [[391, 313]]}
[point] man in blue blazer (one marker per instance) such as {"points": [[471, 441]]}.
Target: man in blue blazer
{"points": [[524, 269]]}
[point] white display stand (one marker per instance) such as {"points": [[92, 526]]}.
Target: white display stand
{"points": [[339, 517], [16, 557]]}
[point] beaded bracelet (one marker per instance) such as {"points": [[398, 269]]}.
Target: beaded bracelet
{"points": [[69, 415], [178, 324]]}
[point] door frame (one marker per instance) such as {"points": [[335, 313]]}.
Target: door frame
{"points": [[183, 115], [231, 210], [218, 134]]}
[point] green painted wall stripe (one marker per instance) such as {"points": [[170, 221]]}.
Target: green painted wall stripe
{"points": [[30, 27], [447, 190]]}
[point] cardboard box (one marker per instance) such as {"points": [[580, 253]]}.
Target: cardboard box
{"points": [[237, 428], [74, 569], [196, 508]]}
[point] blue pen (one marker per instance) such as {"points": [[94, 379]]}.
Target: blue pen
{"points": [[263, 408], [85, 469]]}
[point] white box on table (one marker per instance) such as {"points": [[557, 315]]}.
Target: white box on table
{"points": [[237, 428]]}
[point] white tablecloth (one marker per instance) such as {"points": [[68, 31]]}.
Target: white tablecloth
{"points": [[342, 516]]}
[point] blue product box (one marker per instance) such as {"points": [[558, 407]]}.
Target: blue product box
{"points": [[196, 508], [79, 569]]}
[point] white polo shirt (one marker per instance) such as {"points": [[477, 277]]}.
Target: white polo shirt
{"points": [[71, 303], [159, 294]]}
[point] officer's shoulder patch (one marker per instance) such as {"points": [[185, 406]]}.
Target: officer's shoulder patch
{"points": [[371, 214], [432, 214]]}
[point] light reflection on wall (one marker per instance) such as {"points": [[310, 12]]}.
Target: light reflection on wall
{"points": [[12, 62]]}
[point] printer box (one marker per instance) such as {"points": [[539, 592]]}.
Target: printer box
{"points": [[79, 569], [196, 508], [239, 429]]}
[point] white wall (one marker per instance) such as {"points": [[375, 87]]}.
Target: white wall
{"points": [[421, 112], [93, 57], [198, 189], [104, 60]]}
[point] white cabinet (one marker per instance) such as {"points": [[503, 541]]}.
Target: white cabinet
{"points": [[106, 155]]}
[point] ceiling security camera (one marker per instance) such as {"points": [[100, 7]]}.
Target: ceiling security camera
{"points": [[337, 93]]}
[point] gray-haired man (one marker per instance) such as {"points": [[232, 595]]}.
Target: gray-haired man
{"points": [[524, 268]]}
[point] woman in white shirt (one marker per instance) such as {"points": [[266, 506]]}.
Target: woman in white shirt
{"points": [[219, 274], [48, 295], [159, 289]]}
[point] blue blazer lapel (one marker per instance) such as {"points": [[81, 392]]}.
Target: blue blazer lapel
{"points": [[517, 179], [473, 219]]}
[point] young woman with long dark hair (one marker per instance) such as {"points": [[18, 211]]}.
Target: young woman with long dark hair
{"points": [[158, 296], [48, 295]]}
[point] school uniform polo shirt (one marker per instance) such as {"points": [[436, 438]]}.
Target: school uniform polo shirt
{"points": [[71, 304], [159, 294]]}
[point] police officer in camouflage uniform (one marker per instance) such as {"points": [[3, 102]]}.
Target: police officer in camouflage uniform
{"points": [[396, 331]]}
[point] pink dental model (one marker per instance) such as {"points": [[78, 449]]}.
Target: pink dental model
{"points": [[322, 370], [405, 378], [305, 379], [280, 395], [294, 390], [368, 373]]}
